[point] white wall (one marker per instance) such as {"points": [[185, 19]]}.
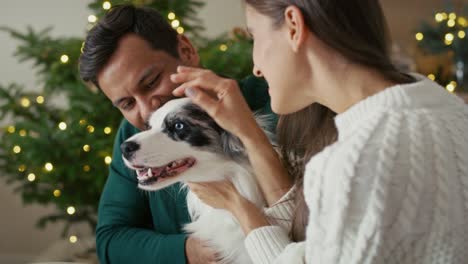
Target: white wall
{"points": [[19, 238]]}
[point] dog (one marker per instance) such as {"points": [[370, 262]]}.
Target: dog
{"points": [[184, 144]]}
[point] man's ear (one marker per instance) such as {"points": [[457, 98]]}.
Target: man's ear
{"points": [[295, 26], [187, 52]]}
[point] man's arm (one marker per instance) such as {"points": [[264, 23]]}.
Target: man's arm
{"points": [[124, 232]]}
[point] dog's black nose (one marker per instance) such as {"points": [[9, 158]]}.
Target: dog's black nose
{"points": [[128, 148]]}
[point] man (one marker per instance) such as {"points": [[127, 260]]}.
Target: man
{"points": [[130, 55]]}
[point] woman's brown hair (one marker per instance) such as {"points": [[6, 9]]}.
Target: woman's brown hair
{"points": [[357, 30]]}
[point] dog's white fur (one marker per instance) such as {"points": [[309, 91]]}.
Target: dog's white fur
{"points": [[217, 227]]}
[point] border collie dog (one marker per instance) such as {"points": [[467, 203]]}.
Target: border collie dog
{"points": [[184, 144]]}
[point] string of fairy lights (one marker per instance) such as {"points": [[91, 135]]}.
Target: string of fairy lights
{"points": [[451, 20], [48, 166], [26, 102]]}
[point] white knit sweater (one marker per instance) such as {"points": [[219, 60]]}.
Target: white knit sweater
{"points": [[392, 189]]}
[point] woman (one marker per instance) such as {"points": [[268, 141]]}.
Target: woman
{"points": [[393, 188]]}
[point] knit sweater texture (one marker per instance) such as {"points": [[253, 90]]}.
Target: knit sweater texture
{"points": [[392, 189]]}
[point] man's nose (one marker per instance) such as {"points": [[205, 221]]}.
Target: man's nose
{"points": [[129, 148], [148, 108]]}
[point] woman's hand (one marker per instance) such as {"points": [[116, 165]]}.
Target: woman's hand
{"points": [[218, 194], [221, 98], [223, 195]]}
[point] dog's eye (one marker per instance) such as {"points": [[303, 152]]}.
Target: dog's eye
{"points": [[179, 126]]}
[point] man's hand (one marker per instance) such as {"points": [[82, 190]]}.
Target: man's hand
{"points": [[198, 253]]}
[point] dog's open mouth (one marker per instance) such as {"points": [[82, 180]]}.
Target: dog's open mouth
{"points": [[151, 175]]}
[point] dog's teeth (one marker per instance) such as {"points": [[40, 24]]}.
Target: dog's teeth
{"points": [[150, 172]]}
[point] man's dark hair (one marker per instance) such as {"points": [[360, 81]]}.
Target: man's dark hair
{"points": [[103, 38]]}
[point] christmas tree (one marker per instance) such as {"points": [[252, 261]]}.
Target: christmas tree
{"points": [[447, 34], [60, 156]]}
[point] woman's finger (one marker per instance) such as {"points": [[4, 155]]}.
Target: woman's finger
{"points": [[187, 75], [203, 79], [182, 68], [202, 99]]}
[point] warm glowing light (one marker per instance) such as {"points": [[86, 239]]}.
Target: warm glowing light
{"points": [[73, 239], [86, 168], [171, 15], [451, 23], [22, 133], [62, 126], [451, 86], [462, 21], [92, 18], [461, 34], [175, 23], [439, 17], [90, 129], [86, 148], [71, 210], [180, 30], [57, 192], [82, 122], [25, 102], [108, 160], [431, 76], [449, 37], [16, 149], [452, 16], [11, 129], [106, 5], [22, 168], [48, 166], [107, 130], [223, 47], [419, 36], [40, 99], [64, 58], [31, 177]]}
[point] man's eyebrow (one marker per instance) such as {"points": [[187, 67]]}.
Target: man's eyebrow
{"points": [[147, 72], [117, 102]]}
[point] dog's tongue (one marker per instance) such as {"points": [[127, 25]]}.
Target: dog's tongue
{"points": [[172, 169], [156, 172]]}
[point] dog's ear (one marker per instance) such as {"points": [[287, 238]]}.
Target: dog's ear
{"points": [[232, 145], [267, 123]]}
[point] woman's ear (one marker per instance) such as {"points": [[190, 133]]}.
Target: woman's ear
{"points": [[187, 52], [295, 26]]}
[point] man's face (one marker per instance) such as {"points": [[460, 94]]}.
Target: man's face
{"points": [[136, 78]]}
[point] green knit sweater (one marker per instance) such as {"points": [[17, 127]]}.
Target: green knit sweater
{"points": [[146, 227]]}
